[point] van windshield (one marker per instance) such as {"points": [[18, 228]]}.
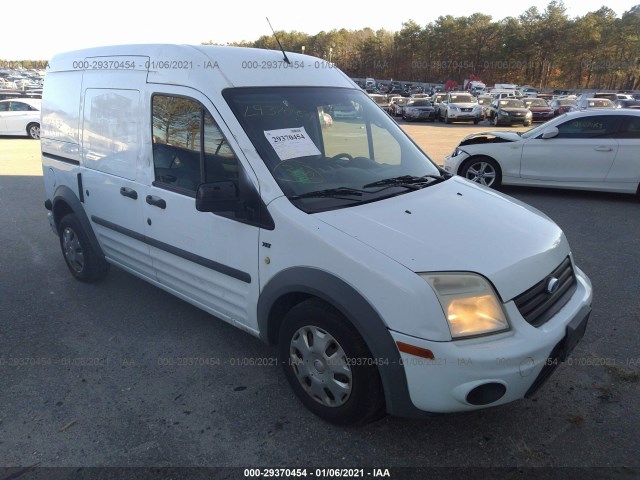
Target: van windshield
{"points": [[330, 147]]}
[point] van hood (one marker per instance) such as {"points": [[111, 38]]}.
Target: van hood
{"points": [[458, 226]]}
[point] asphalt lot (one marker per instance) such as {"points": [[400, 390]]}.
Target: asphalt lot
{"points": [[116, 374]]}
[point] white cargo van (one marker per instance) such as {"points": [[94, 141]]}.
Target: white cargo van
{"points": [[385, 284]]}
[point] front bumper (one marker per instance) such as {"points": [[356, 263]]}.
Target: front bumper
{"points": [[431, 115], [542, 117], [513, 120], [451, 163], [465, 116], [494, 370]]}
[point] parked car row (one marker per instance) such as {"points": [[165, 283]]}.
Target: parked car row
{"points": [[501, 107]]}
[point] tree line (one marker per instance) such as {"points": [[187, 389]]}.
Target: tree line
{"points": [[544, 49]]}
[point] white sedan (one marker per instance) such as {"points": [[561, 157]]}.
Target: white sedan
{"points": [[585, 150], [20, 116]]}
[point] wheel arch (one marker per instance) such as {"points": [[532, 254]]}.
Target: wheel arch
{"points": [[64, 202], [292, 286], [476, 157]]}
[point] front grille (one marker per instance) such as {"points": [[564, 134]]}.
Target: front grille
{"points": [[537, 305]]}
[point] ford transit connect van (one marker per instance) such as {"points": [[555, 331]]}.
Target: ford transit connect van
{"points": [[212, 173]]}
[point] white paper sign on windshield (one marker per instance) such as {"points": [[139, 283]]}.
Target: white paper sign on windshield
{"points": [[291, 143]]}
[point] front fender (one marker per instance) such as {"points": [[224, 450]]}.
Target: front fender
{"points": [[304, 282]]}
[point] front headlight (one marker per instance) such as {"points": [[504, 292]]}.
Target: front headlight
{"points": [[470, 304], [503, 113], [528, 114], [456, 152], [454, 108]]}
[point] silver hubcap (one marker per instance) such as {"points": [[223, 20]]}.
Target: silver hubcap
{"points": [[34, 132], [320, 365], [72, 249], [482, 172]]}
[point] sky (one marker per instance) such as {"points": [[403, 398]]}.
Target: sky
{"points": [[57, 26]]}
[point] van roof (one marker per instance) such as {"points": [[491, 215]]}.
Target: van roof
{"points": [[194, 64]]}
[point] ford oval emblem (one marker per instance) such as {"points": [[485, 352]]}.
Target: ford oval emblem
{"points": [[552, 285]]}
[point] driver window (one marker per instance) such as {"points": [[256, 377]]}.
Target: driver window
{"points": [[176, 141], [188, 146]]}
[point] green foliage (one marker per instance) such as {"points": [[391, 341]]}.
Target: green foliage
{"points": [[539, 48]]}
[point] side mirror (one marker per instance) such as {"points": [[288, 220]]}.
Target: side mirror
{"points": [[218, 197], [550, 133]]}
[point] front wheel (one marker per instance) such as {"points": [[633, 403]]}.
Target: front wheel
{"points": [[33, 131], [84, 263], [482, 170], [328, 365], [526, 124]]}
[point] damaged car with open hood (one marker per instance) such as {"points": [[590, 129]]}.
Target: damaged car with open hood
{"points": [[584, 150]]}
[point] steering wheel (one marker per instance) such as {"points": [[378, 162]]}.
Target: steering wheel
{"points": [[345, 156]]}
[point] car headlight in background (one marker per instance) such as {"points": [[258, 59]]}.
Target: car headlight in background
{"points": [[503, 113], [528, 114], [456, 152], [469, 302]]}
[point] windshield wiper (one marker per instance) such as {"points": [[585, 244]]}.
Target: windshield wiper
{"points": [[330, 192], [408, 181]]}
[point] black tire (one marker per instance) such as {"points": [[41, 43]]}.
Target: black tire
{"points": [[483, 170], [360, 398], [84, 263], [476, 121], [447, 120], [33, 131], [526, 124]]}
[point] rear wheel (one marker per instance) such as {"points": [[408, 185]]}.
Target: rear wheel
{"points": [[328, 365], [482, 170], [84, 263]]}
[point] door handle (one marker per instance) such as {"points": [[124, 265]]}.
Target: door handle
{"points": [[156, 201], [603, 149], [128, 192]]}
